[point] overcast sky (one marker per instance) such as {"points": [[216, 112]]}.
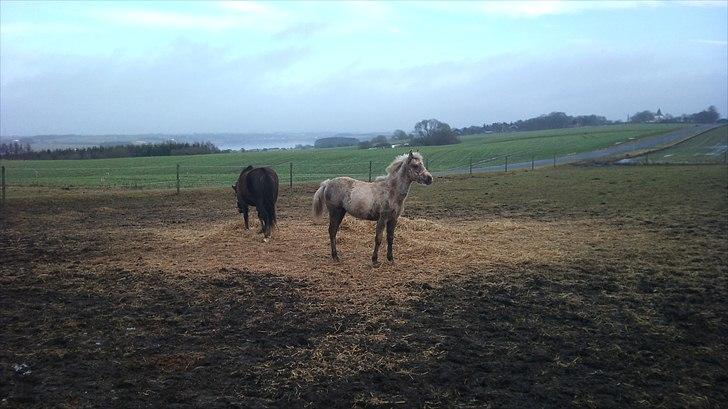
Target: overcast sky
{"points": [[139, 67]]}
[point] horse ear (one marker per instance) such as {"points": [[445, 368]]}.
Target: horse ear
{"points": [[411, 155], [249, 167], [235, 189]]}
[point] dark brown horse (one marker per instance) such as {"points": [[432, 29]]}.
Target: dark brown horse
{"points": [[258, 187]]}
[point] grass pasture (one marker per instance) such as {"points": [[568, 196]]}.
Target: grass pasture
{"points": [[574, 286], [318, 164], [709, 147]]}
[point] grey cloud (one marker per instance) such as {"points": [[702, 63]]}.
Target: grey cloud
{"points": [[197, 88]]}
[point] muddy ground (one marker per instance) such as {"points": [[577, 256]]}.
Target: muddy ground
{"points": [[572, 287]]}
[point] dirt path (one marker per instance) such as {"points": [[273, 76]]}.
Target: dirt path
{"points": [[653, 142]]}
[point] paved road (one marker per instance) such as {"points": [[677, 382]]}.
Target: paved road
{"points": [[627, 147]]}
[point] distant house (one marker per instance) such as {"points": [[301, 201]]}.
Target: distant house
{"points": [[658, 116]]}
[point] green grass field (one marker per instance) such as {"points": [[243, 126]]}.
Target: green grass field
{"points": [[318, 164], [709, 147]]}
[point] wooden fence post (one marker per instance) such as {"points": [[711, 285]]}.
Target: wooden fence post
{"points": [[506, 163], [471, 167], [290, 175], [370, 171], [532, 161], [554, 160], [3, 184], [178, 178]]}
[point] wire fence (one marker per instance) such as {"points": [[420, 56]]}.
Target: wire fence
{"points": [[190, 176], [183, 176]]}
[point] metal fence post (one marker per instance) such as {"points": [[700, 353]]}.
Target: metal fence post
{"points": [[3, 183], [178, 178], [471, 166], [290, 175], [506, 163], [532, 161], [370, 171]]}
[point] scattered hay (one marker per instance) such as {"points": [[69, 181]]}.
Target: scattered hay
{"points": [[425, 250]]}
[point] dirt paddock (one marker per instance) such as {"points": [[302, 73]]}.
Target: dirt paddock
{"points": [[576, 287]]}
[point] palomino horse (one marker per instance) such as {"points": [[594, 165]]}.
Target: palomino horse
{"points": [[381, 200], [258, 187]]}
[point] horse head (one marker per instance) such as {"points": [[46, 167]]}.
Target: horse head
{"points": [[416, 170], [237, 199]]}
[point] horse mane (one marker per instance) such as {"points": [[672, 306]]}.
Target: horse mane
{"points": [[393, 167]]}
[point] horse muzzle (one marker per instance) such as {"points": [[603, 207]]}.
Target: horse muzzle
{"points": [[426, 179]]}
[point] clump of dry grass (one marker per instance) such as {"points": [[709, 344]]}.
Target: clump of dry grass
{"points": [[425, 250]]}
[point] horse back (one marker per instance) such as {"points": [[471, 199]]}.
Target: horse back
{"points": [[263, 180], [258, 184]]}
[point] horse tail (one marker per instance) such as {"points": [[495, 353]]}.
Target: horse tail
{"points": [[319, 200], [267, 210], [268, 198]]}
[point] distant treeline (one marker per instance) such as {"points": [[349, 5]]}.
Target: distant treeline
{"points": [[335, 142], [17, 150], [707, 116], [554, 120], [558, 120]]}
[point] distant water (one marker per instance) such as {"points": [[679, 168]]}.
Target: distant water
{"points": [[272, 140], [264, 141], [233, 141]]}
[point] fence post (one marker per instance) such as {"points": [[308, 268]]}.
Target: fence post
{"points": [[290, 175], [178, 178], [471, 166], [3, 183], [554, 160], [532, 161], [506, 163], [370, 171], [647, 160]]}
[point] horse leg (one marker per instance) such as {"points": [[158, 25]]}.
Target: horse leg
{"points": [[266, 228], [245, 216], [390, 238], [335, 218], [378, 239]]}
